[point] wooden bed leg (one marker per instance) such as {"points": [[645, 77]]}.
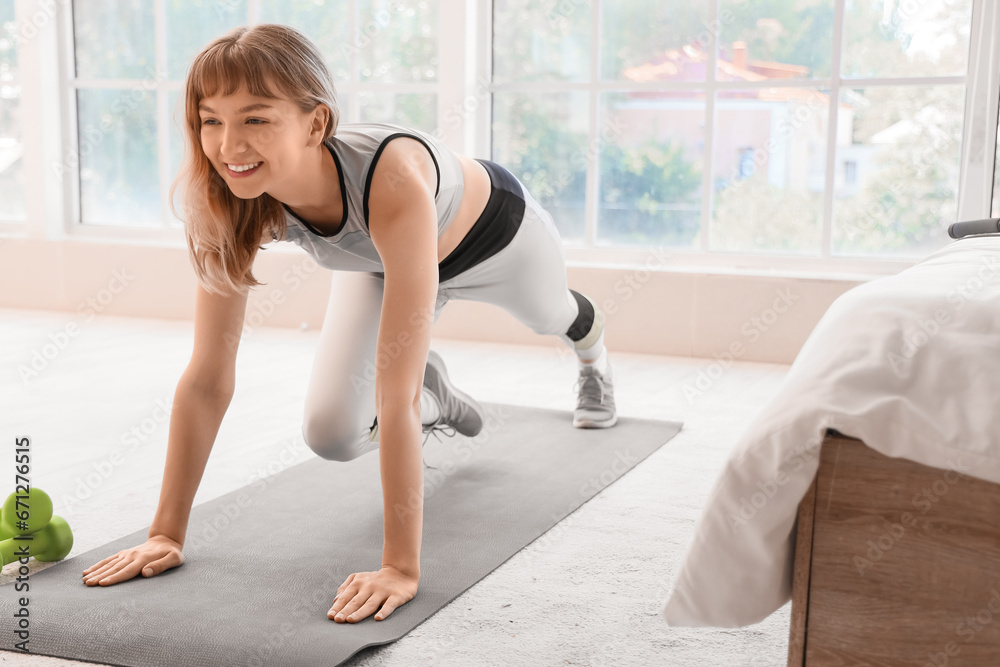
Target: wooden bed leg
{"points": [[800, 578]]}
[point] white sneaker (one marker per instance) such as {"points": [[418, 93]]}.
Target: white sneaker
{"points": [[595, 407], [459, 411]]}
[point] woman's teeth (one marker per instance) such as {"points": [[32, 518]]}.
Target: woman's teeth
{"points": [[242, 167]]}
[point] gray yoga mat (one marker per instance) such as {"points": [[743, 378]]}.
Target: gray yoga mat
{"points": [[259, 578]]}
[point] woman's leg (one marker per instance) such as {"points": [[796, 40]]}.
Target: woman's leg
{"points": [[340, 399], [527, 278]]}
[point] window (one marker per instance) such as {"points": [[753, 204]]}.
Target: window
{"points": [[623, 120], [715, 132], [744, 163], [132, 56], [850, 172], [11, 143]]}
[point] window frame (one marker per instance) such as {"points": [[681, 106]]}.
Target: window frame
{"points": [[18, 81], [982, 87], [465, 85]]}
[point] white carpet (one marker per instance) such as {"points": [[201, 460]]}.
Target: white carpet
{"points": [[586, 593]]}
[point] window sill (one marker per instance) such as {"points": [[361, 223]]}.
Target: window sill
{"points": [[625, 259]]}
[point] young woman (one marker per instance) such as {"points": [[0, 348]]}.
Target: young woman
{"points": [[411, 224]]}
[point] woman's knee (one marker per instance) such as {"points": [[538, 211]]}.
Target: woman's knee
{"points": [[576, 317], [334, 436]]}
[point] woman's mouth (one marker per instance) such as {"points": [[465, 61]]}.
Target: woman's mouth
{"points": [[242, 170]]}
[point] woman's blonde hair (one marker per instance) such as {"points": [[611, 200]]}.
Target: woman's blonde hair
{"points": [[224, 232]]}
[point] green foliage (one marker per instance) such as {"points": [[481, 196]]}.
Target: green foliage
{"points": [[755, 215], [649, 194]]}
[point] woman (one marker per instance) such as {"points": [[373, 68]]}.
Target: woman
{"points": [[411, 223]]}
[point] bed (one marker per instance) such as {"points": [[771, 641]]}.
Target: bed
{"points": [[896, 563], [905, 367]]}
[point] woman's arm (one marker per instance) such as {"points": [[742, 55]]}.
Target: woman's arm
{"points": [[202, 397], [403, 228], [200, 402]]}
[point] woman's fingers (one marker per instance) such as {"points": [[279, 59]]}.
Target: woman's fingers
{"points": [[387, 608], [125, 571], [347, 612], [347, 582], [101, 574], [343, 599], [97, 565], [366, 610], [102, 571]]}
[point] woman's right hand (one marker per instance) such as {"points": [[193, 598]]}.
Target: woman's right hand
{"points": [[157, 554]]}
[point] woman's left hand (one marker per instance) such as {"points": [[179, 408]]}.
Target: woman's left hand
{"points": [[364, 592]]}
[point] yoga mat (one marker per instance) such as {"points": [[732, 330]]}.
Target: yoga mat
{"points": [[264, 562]]}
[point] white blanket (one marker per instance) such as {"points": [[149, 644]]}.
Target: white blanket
{"points": [[910, 364]]}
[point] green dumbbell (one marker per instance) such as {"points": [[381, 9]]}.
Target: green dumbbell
{"points": [[49, 544], [33, 515]]}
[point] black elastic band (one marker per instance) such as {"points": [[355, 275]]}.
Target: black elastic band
{"points": [[584, 319]]}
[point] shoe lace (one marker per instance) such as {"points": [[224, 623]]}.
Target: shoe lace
{"points": [[435, 428], [428, 429], [590, 388]]}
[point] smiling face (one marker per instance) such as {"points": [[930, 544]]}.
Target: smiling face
{"points": [[257, 144]]}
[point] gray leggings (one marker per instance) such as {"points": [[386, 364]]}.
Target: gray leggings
{"points": [[527, 278]]}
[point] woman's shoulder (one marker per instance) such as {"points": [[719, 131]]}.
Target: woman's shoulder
{"points": [[346, 131]]}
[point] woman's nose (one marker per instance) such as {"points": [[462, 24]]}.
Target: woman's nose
{"points": [[233, 142]]}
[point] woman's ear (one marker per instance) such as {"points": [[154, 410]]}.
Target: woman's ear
{"points": [[317, 124]]}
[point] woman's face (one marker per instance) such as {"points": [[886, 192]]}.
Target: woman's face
{"points": [[257, 144]]}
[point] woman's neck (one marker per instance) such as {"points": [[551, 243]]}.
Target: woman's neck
{"points": [[316, 196]]}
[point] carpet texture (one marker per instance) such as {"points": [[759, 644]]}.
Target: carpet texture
{"points": [[264, 562]]}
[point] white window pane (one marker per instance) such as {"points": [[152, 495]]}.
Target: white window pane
{"points": [[411, 110], [782, 39], [11, 154], [325, 22], [769, 171], [542, 139], [177, 139], [11, 144], [651, 153], [905, 142], [899, 38], [192, 24], [546, 40], [115, 39], [654, 40], [119, 177], [8, 45], [397, 41]]}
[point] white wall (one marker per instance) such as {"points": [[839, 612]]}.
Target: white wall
{"points": [[702, 314]]}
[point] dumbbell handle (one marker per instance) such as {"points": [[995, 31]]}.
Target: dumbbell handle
{"points": [[12, 549]]}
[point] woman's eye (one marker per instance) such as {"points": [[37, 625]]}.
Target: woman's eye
{"points": [[209, 121], [256, 121]]}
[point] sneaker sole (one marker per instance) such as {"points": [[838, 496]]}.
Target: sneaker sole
{"points": [[435, 361], [593, 423]]}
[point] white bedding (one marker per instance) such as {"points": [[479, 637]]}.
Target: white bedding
{"points": [[910, 364]]}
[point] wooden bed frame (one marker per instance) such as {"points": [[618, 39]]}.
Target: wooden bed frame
{"points": [[896, 563]]}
